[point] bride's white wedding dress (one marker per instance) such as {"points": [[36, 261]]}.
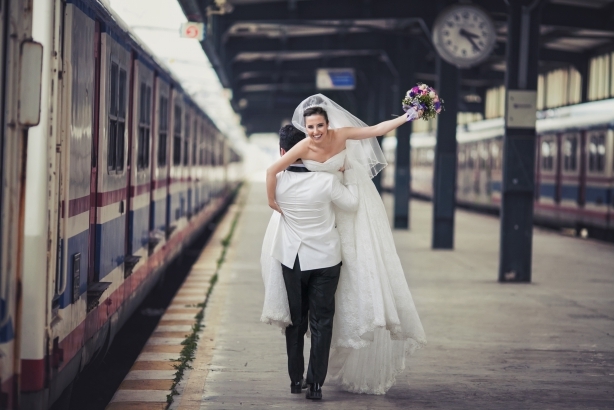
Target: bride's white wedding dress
{"points": [[376, 324]]}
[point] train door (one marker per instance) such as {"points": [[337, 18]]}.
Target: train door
{"points": [[175, 195], [195, 164], [186, 178], [484, 178], [597, 179], [496, 176], [582, 193], [558, 170], [474, 170], [547, 170], [610, 198], [160, 163], [208, 160], [91, 278], [569, 188], [9, 163], [137, 240], [610, 167], [111, 196]]}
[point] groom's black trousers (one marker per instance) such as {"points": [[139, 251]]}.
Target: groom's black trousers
{"points": [[310, 292]]}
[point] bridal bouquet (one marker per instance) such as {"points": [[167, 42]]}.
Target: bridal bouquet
{"points": [[423, 97]]}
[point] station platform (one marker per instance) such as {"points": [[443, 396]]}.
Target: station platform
{"points": [[544, 345]]}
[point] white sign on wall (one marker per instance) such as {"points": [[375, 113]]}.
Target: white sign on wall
{"points": [[521, 109], [193, 30]]}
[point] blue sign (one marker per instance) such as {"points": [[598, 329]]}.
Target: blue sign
{"points": [[335, 79]]}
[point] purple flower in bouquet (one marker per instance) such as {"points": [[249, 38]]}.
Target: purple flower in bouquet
{"points": [[423, 98]]}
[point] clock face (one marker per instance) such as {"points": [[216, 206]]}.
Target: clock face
{"points": [[464, 35]]}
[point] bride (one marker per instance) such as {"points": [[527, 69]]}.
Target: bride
{"points": [[376, 324]]}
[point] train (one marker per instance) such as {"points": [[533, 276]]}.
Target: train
{"points": [[574, 167], [109, 170]]}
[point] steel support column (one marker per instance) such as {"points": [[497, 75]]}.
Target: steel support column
{"points": [[519, 142], [444, 177], [404, 63]]}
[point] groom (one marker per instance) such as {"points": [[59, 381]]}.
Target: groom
{"points": [[307, 245]]}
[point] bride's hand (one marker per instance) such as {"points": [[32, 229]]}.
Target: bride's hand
{"points": [[342, 169], [273, 205]]}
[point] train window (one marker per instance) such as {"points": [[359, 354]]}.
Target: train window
{"points": [[494, 154], [114, 80], [201, 150], [483, 156], [195, 142], [596, 153], [461, 158], [117, 118], [162, 131], [142, 161], [570, 153], [177, 137], [473, 157], [548, 151], [186, 140], [430, 156]]}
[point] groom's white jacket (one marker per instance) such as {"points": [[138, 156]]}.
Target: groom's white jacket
{"points": [[307, 227]]}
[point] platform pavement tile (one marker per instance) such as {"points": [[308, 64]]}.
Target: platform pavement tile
{"points": [[167, 348], [187, 302], [190, 292], [203, 269], [154, 365], [178, 316], [150, 374], [150, 396], [171, 334], [155, 340], [176, 322], [160, 357], [152, 384], [136, 406], [174, 328], [183, 309], [196, 283]]}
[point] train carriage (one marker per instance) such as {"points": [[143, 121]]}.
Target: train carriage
{"points": [[116, 191], [574, 167]]}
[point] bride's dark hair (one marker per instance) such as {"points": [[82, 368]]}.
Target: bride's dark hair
{"points": [[316, 111]]}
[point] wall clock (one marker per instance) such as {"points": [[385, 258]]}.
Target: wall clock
{"points": [[464, 35]]}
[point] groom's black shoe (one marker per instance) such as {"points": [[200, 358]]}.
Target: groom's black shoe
{"points": [[295, 388], [314, 392], [298, 386]]}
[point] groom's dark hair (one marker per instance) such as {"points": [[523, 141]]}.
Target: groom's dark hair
{"points": [[289, 136]]}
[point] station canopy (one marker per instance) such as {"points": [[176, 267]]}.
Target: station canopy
{"points": [[268, 52]]}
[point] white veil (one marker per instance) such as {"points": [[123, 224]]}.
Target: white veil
{"points": [[367, 152]]}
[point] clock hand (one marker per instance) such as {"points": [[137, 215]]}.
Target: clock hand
{"points": [[470, 37], [467, 34]]}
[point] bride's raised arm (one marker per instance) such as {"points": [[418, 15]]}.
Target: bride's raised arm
{"points": [[383, 128], [297, 152]]}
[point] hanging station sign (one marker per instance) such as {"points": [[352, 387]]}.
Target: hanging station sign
{"points": [[335, 79], [193, 29]]}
